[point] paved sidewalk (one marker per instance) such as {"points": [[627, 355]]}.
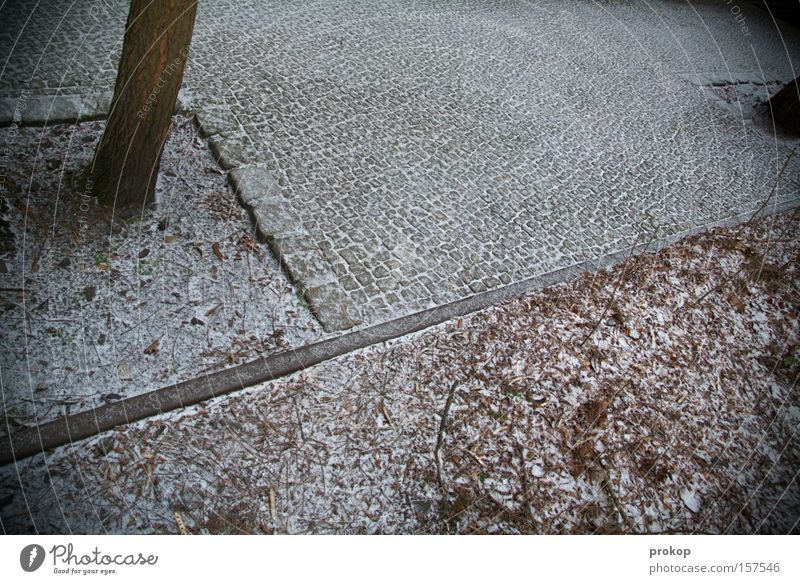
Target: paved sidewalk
{"points": [[401, 155]]}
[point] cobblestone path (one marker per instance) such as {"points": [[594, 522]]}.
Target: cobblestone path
{"points": [[404, 154]]}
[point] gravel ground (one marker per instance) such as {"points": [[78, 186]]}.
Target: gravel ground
{"points": [[96, 307], [659, 395]]}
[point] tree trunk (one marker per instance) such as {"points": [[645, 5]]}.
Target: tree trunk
{"points": [[154, 51], [785, 107]]}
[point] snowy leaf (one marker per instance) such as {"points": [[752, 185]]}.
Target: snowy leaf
{"points": [[152, 347], [691, 500], [217, 252]]}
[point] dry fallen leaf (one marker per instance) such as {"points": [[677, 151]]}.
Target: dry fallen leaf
{"points": [[212, 310], [217, 252], [387, 415], [152, 347], [538, 402]]}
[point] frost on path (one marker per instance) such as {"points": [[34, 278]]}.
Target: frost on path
{"points": [[402, 155]]}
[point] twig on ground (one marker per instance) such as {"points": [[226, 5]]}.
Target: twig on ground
{"points": [[607, 488], [440, 437], [620, 278]]}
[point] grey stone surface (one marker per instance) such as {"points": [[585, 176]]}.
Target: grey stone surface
{"points": [[53, 108], [413, 153]]}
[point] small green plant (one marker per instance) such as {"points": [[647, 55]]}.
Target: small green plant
{"points": [[499, 416], [102, 261], [62, 335], [144, 268]]}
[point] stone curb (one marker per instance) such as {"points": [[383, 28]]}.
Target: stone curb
{"points": [[53, 109], [279, 225], [37, 110]]}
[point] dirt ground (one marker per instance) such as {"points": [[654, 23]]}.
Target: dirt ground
{"points": [[97, 306], [657, 396]]}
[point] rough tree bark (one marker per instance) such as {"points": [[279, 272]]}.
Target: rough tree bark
{"points": [[785, 107], [156, 43]]}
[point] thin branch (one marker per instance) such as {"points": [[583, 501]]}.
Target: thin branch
{"points": [[616, 286], [440, 437]]}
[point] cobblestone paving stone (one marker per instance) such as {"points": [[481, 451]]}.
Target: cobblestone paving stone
{"points": [[400, 155]]}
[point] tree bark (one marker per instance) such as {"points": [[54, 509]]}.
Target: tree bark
{"points": [[785, 107], [154, 51]]}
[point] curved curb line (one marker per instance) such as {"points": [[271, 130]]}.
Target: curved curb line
{"points": [[66, 430], [31, 441]]}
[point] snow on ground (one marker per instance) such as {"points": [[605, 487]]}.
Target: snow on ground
{"points": [[95, 307], [659, 395]]}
